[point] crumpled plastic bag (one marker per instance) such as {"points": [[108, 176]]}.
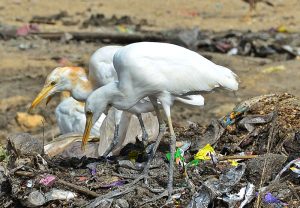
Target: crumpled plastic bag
{"points": [[129, 128], [214, 187], [205, 153]]}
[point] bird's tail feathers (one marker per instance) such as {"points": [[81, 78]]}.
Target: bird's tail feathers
{"points": [[227, 79], [194, 100]]}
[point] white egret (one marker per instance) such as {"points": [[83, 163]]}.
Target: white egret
{"points": [[101, 72], [159, 71], [70, 116]]}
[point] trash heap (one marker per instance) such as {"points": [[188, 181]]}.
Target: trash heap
{"points": [[248, 158], [276, 43]]}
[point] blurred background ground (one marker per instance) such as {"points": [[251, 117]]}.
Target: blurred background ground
{"points": [[26, 61]]}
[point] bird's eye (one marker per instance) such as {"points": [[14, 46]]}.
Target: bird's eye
{"points": [[53, 83], [89, 112]]}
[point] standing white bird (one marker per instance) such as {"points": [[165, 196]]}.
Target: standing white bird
{"points": [[159, 71]]}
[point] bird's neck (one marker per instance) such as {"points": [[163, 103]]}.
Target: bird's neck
{"points": [[82, 90], [121, 99]]}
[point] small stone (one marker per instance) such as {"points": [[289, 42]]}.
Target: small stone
{"points": [[121, 203], [29, 121], [5, 186], [24, 144], [35, 199], [274, 163], [3, 121]]}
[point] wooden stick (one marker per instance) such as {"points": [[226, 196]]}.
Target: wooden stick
{"points": [[237, 157], [24, 173], [62, 182], [77, 188]]}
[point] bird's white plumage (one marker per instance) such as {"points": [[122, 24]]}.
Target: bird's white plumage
{"points": [[70, 117], [158, 66], [158, 71], [101, 69]]}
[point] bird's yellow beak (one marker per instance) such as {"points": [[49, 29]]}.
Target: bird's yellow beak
{"points": [[87, 130], [44, 93]]}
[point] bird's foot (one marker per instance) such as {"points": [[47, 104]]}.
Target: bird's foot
{"points": [[145, 138]]}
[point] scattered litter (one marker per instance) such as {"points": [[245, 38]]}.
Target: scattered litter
{"points": [[47, 180], [220, 173], [29, 183], [93, 168], [232, 52], [282, 29], [247, 193], [56, 194], [295, 162], [35, 199], [27, 29], [205, 153], [233, 163], [202, 198], [270, 199], [273, 69], [113, 184], [51, 19]]}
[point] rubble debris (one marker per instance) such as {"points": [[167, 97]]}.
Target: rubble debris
{"points": [[121, 203], [56, 194], [35, 199], [24, 144], [98, 20], [247, 193], [274, 69], [273, 45], [255, 166], [270, 199], [27, 29], [47, 180], [225, 173], [51, 19]]}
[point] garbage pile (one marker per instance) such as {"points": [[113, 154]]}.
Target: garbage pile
{"points": [[248, 158], [276, 44]]}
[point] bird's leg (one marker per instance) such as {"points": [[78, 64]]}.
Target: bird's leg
{"points": [[144, 132], [158, 139], [118, 115], [167, 110], [114, 142], [145, 172]]}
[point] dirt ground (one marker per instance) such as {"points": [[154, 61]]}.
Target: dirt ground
{"points": [[23, 70]]}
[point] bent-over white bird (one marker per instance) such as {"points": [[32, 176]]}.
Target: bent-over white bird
{"points": [[159, 71]]}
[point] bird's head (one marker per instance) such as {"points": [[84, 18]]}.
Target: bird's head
{"points": [[60, 79], [97, 103]]}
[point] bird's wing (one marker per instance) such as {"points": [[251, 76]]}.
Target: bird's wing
{"points": [[101, 73], [101, 70], [150, 66]]}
